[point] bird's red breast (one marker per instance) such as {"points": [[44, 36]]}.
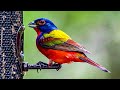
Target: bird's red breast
{"points": [[60, 56]]}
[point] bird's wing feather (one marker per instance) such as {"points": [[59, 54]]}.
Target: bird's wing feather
{"points": [[61, 41]]}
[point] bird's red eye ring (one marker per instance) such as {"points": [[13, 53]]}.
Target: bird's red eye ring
{"points": [[41, 22]]}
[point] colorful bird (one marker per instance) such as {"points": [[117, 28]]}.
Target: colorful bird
{"points": [[57, 46]]}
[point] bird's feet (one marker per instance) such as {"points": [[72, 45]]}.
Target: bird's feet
{"points": [[58, 66], [43, 65], [51, 65], [54, 66]]}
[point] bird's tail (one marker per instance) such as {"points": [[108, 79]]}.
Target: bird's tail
{"points": [[86, 59]]}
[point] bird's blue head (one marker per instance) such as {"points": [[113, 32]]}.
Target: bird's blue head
{"points": [[42, 24]]}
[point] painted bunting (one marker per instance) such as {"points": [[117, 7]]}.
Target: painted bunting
{"points": [[57, 46]]}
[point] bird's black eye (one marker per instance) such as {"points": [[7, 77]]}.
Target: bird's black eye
{"points": [[41, 22]]}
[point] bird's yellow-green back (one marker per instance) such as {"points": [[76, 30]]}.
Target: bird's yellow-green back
{"points": [[59, 35]]}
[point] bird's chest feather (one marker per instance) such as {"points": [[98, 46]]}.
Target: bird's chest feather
{"points": [[39, 43]]}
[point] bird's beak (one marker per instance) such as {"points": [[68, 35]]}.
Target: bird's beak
{"points": [[32, 25]]}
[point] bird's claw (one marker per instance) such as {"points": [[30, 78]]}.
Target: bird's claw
{"points": [[58, 66]]}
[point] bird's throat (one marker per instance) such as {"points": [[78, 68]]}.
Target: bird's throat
{"points": [[38, 31]]}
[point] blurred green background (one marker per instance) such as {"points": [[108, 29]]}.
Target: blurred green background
{"points": [[98, 31]]}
